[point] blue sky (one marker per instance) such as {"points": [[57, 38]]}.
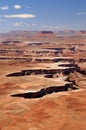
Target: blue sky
{"points": [[42, 15]]}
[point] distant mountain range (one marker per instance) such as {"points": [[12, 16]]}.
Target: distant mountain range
{"points": [[40, 33]]}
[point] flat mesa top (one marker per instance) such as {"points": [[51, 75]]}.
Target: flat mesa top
{"points": [[62, 57], [49, 66]]}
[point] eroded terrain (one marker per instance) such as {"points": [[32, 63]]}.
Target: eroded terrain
{"points": [[43, 84]]}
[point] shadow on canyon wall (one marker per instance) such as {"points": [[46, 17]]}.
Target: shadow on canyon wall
{"points": [[46, 91]]}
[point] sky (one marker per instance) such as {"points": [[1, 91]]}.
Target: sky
{"points": [[42, 15]]}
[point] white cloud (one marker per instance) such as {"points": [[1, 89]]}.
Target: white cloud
{"points": [[4, 8], [61, 27], [20, 16], [54, 27], [34, 24], [25, 6], [81, 13], [17, 6], [18, 24], [25, 24], [28, 25]]}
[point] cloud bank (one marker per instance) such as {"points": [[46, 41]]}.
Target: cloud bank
{"points": [[17, 6], [4, 8], [20, 16], [18, 24]]}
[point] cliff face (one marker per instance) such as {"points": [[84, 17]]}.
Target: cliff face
{"points": [[41, 89], [79, 79], [45, 34], [81, 33]]}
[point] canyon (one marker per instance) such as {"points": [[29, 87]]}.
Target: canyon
{"points": [[43, 81]]}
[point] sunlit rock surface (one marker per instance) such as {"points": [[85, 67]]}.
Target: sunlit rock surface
{"points": [[43, 86]]}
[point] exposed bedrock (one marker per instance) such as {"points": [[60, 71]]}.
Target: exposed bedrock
{"points": [[68, 65], [68, 71], [41, 71], [55, 59], [82, 60], [82, 71], [45, 91], [47, 73], [64, 60], [77, 79], [74, 68], [50, 72], [49, 76], [16, 74], [58, 49]]}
